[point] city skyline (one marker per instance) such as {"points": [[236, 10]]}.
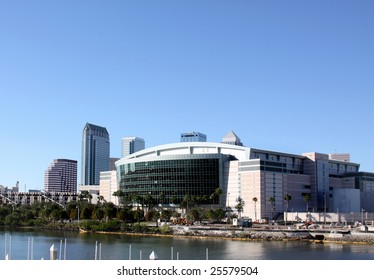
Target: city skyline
{"points": [[284, 76], [231, 137]]}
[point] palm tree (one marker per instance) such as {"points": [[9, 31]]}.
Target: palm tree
{"points": [[215, 195], [187, 202], [109, 210], [240, 206], [287, 198], [255, 201], [100, 199], [120, 196], [272, 201], [149, 201], [136, 198], [85, 195], [161, 200], [173, 200], [124, 214], [98, 212], [307, 198]]}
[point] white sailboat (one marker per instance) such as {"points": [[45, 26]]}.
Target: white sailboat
{"points": [[153, 256]]}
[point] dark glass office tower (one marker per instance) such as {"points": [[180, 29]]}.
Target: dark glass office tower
{"points": [[95, 153]]}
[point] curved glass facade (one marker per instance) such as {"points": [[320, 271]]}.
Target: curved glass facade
{"points": [[175, 177]]}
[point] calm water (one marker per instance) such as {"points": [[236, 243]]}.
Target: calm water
{"points": [[18, 245]]}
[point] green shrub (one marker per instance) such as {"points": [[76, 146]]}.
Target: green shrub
{"points": [[109, 226], [101, 226], [89, 225], [165, 229], [139, 228]]}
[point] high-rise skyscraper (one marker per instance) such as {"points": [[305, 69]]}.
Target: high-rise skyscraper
{"points": [[61, 176], [131, 145], [95, 153], [193, 137]]}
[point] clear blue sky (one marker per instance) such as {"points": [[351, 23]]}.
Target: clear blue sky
{"points": [[291, 76]]}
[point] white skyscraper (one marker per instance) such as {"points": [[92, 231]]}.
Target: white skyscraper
{"points": [[131, 145]]}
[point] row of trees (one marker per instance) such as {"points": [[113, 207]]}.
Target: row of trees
{"points": [[39, 214], [132, 209], [190, 201], [44, 214], [147, 199]]}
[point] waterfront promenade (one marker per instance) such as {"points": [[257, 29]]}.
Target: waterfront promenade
{"points": [[319, 234], [310, 232]]}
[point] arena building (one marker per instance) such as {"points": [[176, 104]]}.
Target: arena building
{"points": [[259, 178]]}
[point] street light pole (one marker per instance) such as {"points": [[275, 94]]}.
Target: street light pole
{"points": [[362, 216], [228, 207], [324, 207], [78, 214]]}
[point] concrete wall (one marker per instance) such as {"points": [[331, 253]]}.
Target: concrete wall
{"points": [[330, 217]]}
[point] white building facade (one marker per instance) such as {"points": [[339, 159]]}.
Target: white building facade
{"points": [[108, 186], [260, 178]]}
